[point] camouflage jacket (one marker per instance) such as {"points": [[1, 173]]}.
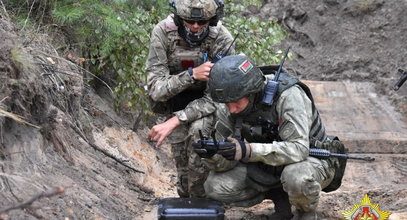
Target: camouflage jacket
{"points": [[294, 115], [163, 83]]}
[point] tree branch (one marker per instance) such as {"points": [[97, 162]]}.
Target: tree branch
{"points": [[105, 152], [28, 16], [48, 193], [16, 118]]}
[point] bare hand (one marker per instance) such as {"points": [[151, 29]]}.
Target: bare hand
{"points": [[159, 132], [202, 72]]}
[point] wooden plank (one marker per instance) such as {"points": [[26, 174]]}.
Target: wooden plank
{"points": [[365, 120]]}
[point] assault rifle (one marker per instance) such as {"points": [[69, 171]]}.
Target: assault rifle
{"points": [[213, 146], [210, 146], [402, 79]]}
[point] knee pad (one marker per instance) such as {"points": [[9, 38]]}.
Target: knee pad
{"points": [[310, 188], [297, 187]]}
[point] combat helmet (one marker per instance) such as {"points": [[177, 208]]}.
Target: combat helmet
{"points": [[211, 10], [234, 77]]}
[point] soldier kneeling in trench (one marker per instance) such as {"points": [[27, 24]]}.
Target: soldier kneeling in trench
{"points": [[272, 139]]}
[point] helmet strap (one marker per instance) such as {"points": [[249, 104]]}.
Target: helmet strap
{"points": [[214, 21], [177, 20]]}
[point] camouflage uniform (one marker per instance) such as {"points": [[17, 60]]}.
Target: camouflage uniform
{"points": [[169, 82], [301, 176]]}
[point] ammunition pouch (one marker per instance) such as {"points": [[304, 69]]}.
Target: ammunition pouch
{"points": [[334, 145], [181, 57], [263, 177]]}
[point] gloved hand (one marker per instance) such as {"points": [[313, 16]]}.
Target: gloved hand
{"points": [[241, 150], [204, 153]]}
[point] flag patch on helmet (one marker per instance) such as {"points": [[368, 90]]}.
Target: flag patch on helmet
{"points": [[246, 66]]}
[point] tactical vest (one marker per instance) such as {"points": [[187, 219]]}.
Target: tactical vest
{"points": [[262, 127], [180, 57]]}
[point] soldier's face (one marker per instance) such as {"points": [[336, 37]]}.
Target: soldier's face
{"points": [[195, 26], [238, 106]]}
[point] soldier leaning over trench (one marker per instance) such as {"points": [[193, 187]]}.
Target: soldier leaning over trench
{"points": [[178, 65], [272, 140]]}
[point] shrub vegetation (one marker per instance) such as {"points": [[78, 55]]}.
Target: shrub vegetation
{"points": [[113, 36]]}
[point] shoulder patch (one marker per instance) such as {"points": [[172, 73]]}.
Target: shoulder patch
{"points": [[246, 66], [287, 131]]}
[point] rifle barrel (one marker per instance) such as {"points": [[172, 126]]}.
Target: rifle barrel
{"points": [[353, 157], [323, 153]]}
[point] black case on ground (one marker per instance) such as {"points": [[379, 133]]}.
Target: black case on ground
{"points": [[190, 208]]}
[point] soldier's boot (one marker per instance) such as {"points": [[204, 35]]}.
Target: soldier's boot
{"points": [[282, 204], [302, 215], [182, 186]]}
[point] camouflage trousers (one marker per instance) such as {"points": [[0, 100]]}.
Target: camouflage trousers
{"points": [[191, 173], [302, 181]]}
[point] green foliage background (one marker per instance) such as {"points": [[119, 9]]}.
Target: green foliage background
{"points": [[257, 38], [113, 36]]}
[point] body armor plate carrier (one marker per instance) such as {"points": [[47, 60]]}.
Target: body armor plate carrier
{"points": [[264, 177]]}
